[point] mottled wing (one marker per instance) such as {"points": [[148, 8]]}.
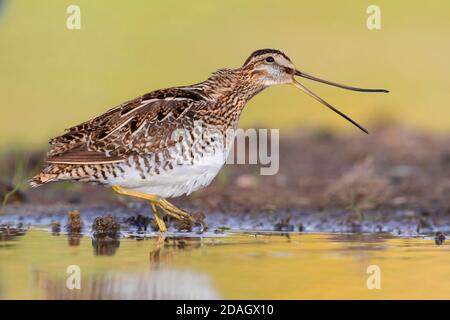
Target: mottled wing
{"points": [[138, 126]]}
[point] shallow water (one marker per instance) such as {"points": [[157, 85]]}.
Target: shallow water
{"points": [[231, 266]]}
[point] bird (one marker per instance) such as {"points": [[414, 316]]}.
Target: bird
{"points": [[174, 141]]}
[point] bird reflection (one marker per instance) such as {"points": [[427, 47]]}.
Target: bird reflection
{"points": [[167, 247], [161, 283]]}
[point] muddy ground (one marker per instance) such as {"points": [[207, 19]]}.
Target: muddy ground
{"points": [[395, 179]]}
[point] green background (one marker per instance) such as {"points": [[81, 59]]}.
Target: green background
{"points": [[52, 77]]}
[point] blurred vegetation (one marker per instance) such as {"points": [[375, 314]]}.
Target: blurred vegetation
{"points": [[13, 182], [52, 77]]}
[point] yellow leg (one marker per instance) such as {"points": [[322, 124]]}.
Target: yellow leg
{"points": [[136, 194], [159, 221], [156, 202]]}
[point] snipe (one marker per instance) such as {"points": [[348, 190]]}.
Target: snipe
{"points": [[167, 143]]}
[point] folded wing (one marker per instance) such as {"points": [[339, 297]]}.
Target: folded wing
{"points": [[136, 126]]}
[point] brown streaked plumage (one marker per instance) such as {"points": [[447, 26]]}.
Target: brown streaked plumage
{"points": [[135, 148]]}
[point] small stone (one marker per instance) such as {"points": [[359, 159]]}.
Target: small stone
{"points": [[56, 227], [439, 238], [141, 222], [106, 226], [75, 224]]}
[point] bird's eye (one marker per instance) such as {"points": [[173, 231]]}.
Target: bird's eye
{"points": [[270, 59]]}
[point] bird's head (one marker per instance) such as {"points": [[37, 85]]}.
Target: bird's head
{"points": [[267, 67]]}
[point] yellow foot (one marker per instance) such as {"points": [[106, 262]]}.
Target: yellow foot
{"points": [[157, 202], [173, 211]]}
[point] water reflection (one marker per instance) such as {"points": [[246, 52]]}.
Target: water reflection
{"points": [[157, 284], [56, 228], [160, 282], [168, 247], [238, 266], [73, 239], [364, 238], [105, 246]]}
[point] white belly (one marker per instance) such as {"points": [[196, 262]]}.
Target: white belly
{"points": [[175, 182]]}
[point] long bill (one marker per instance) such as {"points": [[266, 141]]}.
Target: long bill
{"points": [[315, 96], [343, 86]]}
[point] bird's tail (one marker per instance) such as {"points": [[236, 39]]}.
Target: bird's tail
{"points": [[41, 179], [51, 173], [57, 172]]}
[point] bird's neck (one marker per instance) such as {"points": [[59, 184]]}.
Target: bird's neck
{"points": [[229, 90], [230, 84]]}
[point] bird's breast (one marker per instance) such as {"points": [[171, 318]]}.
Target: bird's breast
{"points": [[181, 169]]}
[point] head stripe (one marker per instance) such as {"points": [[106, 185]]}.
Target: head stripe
{"points": [[264, 51]]}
